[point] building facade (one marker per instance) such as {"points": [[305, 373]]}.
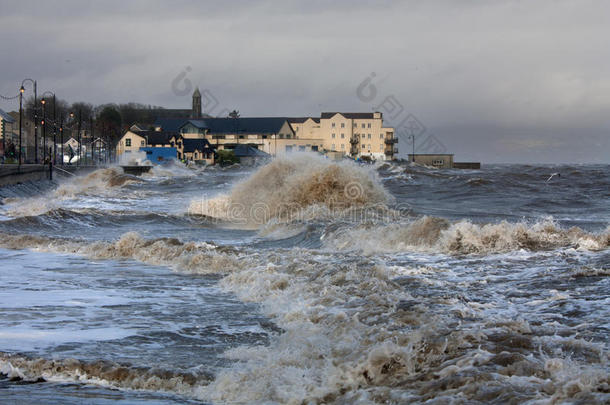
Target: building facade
{"points": [[354, 135], [357, 135]]}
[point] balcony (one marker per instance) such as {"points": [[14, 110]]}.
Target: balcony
{"points": [[390, 141], [354, 140]]}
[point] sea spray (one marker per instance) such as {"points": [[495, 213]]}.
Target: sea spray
{"points": [[304, 186]]}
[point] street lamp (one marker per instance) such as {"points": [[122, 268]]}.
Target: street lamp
{"points": [[44, 131], [79, 137], [44, 128], [35, 109], [412, 137], [21, 91]]}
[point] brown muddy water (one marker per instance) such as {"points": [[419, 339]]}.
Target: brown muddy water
{"points": [[306, 281]]}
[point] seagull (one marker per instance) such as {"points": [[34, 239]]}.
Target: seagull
{"points": [[553, 175]]}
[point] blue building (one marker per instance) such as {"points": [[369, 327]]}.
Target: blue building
{"points": [[159, 155]]}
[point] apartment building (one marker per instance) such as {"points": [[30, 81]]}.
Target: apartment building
{"points": [[357, 135]]}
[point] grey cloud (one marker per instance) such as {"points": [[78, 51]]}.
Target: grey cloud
{"points": [[495, 81]]}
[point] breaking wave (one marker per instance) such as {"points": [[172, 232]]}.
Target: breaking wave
{"points": [[304, 186], [105, 373], [351, 331], [188, 256], [98, 182], [439, 235], [100, 179]]}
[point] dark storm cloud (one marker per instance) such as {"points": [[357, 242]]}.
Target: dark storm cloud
{"points": [[493, 81]]}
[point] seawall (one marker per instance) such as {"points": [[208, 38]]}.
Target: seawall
{"points": [[14, 174]]}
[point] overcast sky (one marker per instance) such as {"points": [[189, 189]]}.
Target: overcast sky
{"points": [[491, 81]]}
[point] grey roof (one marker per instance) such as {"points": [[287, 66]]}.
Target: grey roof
{"points": [[157, 137], [248, 151], [202, 145], [347, 115], [170, 123], [262, 125], [301, 120], [255, 125], [6, 117], [196, 123]]}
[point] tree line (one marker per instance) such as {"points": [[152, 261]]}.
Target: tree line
{"points": [[110, 120]]}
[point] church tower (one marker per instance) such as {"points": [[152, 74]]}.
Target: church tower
{"points": [[196, 112]]}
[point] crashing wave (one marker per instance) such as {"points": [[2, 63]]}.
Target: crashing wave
{"points": [[437, 235], [106, 373], [304, 186]]}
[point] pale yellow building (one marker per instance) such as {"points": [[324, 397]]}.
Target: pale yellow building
{"points": [[353, 134]]}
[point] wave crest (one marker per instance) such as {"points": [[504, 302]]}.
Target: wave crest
{"points": [[105, 373], [285, 188], [438, 235]]}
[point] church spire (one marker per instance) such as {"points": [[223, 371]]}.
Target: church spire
{"points": [[196, 112]]}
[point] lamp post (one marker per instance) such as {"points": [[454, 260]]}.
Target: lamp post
{"points": [[44, 131], [21, 90], [71, 130], [412, 137], [44, 125], [92, 138], [79, 137], [61, 138]]}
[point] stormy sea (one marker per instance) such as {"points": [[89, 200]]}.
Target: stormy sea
{"points": [[306, 281]]}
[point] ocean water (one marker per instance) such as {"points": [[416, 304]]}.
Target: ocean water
{"points": [[307, 281]]}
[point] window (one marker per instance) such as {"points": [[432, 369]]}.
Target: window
{"points": [[142, 143], [287, 136], [281, 136], [333, 136], [332, 147], [363, 125], [355, 125], [128, 142], [438, 162], [381, 148], [369, 125], [380, 136], [314, 148], [342, 146], [342, 136], [363, 146], [301, 148], [342, 125], [333, 125], [369, 136], [363, 136]]}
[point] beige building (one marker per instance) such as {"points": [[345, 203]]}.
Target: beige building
{"points": [[191, 146], [272, 135], [356, 135], [130, 142], [353, 134]]}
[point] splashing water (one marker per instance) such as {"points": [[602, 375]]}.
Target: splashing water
{"points": [[436, 304]]}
